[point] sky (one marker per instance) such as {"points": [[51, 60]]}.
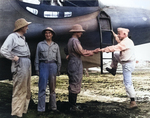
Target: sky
{"points": [[145, 4]]}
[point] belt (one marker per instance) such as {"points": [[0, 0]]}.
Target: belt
{"points": [[48, 61], [24, 56], [127, 61]]}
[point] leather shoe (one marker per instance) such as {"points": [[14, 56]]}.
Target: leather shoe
{"points": [[132, 105]]}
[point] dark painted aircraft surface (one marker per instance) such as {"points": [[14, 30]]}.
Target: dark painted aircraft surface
{"points": [[96, 18]]}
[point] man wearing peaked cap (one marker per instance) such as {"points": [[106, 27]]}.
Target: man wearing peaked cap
{"points": [[126, 57], [47, 65], [16, 49]]}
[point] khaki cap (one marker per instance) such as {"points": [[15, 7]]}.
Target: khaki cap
{"points": [[125, 30], [20, 23], [77, 28]]}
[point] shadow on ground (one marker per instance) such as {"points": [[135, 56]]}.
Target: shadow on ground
{"points": [[91, 109]]}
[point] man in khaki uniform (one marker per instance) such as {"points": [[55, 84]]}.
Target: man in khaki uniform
{"points": [[126, 57], [74, 51], [16, 49], [47, 65]]}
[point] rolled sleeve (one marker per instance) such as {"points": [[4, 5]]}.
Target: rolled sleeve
{"points": [[118, 47], [77, 47], [7, 48]]}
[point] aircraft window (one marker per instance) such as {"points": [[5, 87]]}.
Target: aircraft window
{"points": [[51, 14], [67, 14], [37, 2], [34, 11]]}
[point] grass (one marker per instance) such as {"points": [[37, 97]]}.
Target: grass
{"points": [[97, 97]]}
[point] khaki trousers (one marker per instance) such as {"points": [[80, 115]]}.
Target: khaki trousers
{"points": [[21, 87]]}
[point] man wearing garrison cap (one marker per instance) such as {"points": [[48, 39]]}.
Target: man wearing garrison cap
{"points": [[15, 48], [126, 57]]}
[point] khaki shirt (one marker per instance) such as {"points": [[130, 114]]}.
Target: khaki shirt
{"points": [[44, 52], [74, 48], [15, 45], [126, 48]]}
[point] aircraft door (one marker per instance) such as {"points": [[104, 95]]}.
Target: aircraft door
{"points": [[106, 36]]}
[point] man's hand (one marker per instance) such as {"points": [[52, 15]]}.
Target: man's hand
{"points": [[116, 36], [96, 50], [113, 33], [90, 53], [67, 57], [16, 58]]}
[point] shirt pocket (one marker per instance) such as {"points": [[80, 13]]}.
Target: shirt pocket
{"points": [[21, 47], [54, 51], [43, 53]]}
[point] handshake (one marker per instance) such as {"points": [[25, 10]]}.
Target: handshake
{"points": [[91, 52], [97, 50]]}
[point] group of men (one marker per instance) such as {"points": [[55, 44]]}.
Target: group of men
{"points": [[48, 64]]}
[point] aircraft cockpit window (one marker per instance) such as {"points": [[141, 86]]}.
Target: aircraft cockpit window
{"points": [[59, 8], [51, 14], [67, 14], [37, 2], [52, 2], [32, 10]]}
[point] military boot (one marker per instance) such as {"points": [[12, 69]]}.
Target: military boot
{"points": [[112, 71], [72, 103]]}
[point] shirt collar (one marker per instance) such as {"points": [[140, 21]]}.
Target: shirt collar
{"points": [[125, 38], [47, 44], [19, 36]]}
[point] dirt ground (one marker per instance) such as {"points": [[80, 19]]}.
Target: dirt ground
{"points": [[102, 96]]}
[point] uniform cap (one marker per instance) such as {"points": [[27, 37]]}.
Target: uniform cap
{"points": [[125, 30]]}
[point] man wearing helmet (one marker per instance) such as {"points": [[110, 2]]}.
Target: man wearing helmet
{"points": [[16, 49], [47, 65], [74, 51]]}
